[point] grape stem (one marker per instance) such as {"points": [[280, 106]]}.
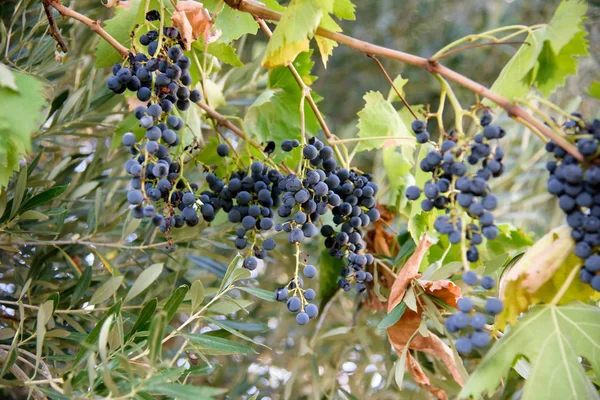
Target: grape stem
{"points": [[387, 76], [431, 65]]}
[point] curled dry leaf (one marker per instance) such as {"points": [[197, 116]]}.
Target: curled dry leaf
{"points": [[192, 20], [381, 241], [401, 333]]}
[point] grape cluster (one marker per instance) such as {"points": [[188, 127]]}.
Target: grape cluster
{"points": [[157, 190], [577, 187], [248, 198], [453, 185], [468, 322]]}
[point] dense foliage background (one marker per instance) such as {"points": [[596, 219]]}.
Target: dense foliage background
{"points": [[67, 235]]}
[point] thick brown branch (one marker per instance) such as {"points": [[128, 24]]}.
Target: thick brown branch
{"points": [[93, 25], [432, 66]]}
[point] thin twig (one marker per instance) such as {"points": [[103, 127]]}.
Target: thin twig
{"points": [[473, 46], [432, 66], [387, 76], [93, 25], [53, 29]]}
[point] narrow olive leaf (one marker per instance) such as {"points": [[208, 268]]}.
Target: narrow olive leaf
{"points": [[235, 332], [43, 316], [82, 286], [400, 369], [146, 278], [393, 316], [3, 201], [410, 299], [8, 362], [32, 215], [260, 293], [71, 262], [103, 338], [106, 264], [107, 289], [143, 318], [91, 368], [212, 345], [173, 303], [19, 191], [43, 198], [235, 264], [198, 293], [92, 338], [157, 328], [186, 392]]}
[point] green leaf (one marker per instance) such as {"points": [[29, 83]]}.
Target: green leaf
{"points": [[186, 392], [212, 345], [225, 52], [234, 24], [157, 329], [144, 316], [20, 189], [20, 115], [107, 289], [260, 293], [393, 316], [198, 293], [520, 73], [234, 265], [172, 305], [119, 27], [128, 124], [82, 286], [344, 9], [44, 313], [32, 215], [594, 89], [92, 338], [43, 197], [146, 278], [379, 118], [400, 369], [291, 37], [329, 273], [551, 338], [325, 45]]}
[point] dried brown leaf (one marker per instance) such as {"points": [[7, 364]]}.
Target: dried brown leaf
{"points": [[407, 327], [413, 367], [192, 20]]}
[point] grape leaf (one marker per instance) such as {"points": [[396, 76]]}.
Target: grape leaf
{"points": [[594, 89], [282, 78], [20, 115], [291, 37], [7, 79], [344, 9], [119, 27], [325, 45], [540, 273], [551, 338], [225, 53], [379, 118], [565, 35], [234, 24]]}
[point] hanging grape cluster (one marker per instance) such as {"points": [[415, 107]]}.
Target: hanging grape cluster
{"points": [[160, 79], [577, 187], [469, 324], [453, 185]]}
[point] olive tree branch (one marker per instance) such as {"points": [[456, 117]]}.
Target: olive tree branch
{"points": [[93, 25], [431, 65]]}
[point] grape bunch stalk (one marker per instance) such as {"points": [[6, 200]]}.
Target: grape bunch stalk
{"points": [[577, 187], [460, 170]]}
